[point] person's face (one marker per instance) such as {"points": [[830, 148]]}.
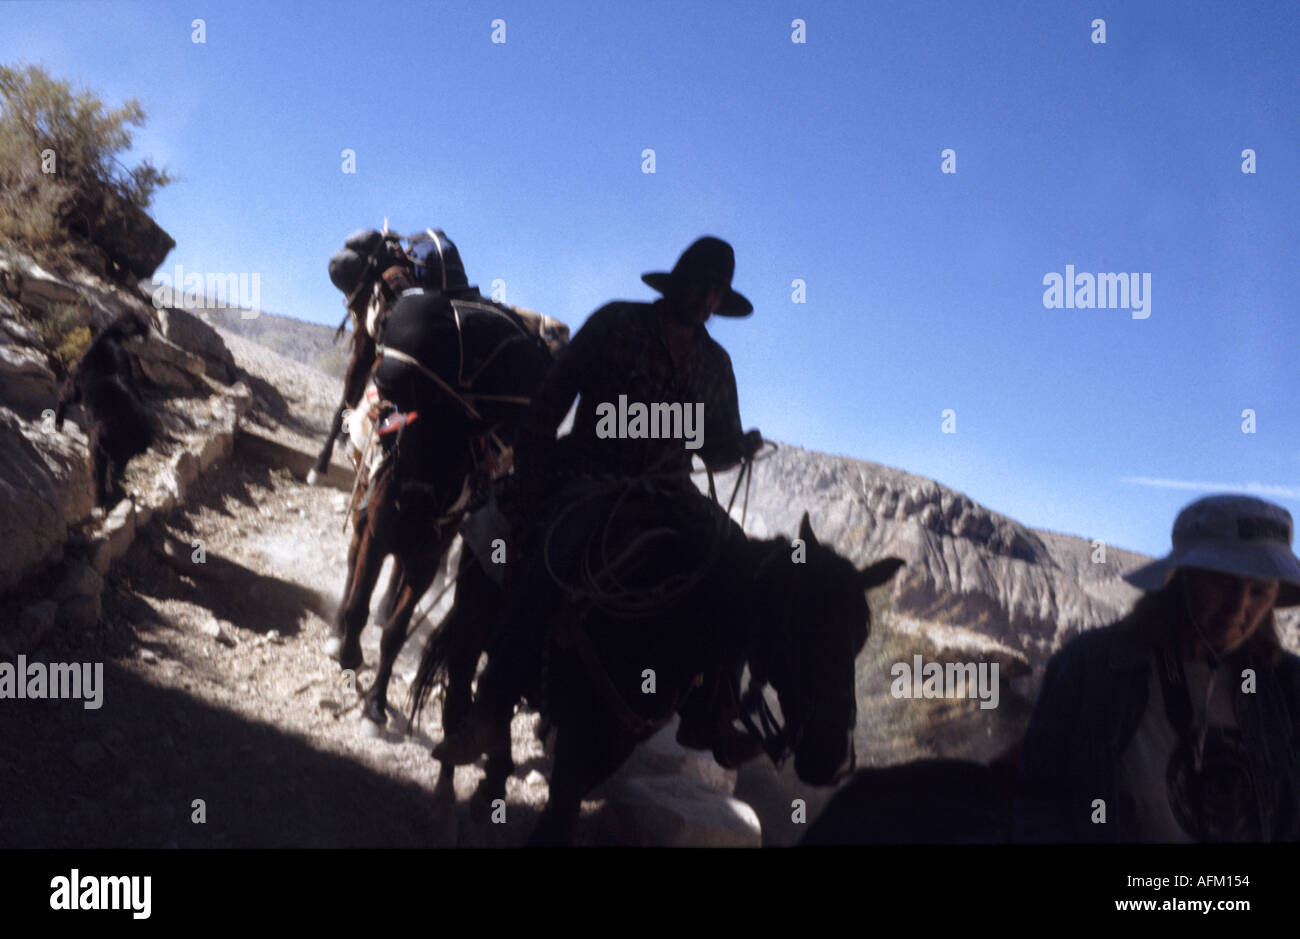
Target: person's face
{"points": [[1228, 609], [698, 301]]}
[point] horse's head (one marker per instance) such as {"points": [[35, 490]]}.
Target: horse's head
{"points": [[814, 622]]}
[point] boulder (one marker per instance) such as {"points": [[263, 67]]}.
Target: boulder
{"points": [[41, 289], [27, 383], [127, 235], [167, 364], [663, 755], [114, 536], [45, 486], [194, 335], [668, 796], [679, 812], [922, 802], [216, 448], [15, 327]]}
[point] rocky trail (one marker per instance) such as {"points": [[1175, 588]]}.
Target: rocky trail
{"points": [[217, 686]]}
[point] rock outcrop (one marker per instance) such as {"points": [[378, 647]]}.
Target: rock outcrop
{"points": [[46, 492], [968, 568]]}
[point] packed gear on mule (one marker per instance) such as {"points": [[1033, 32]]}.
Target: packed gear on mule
{"points": [[453, 356]]}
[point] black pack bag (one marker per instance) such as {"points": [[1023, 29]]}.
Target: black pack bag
{"points": [[466, 354]]}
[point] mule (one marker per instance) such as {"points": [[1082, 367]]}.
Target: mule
{"points": [[104, 382], [474, 368], [796, 618]]}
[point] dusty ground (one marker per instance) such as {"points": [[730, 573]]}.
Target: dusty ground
{"points": [[217, 687]]}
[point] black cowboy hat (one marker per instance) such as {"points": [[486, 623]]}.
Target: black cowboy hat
{"points": [[711, 260]]}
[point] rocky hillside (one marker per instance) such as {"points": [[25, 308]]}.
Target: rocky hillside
{"points": [[309, 343]]}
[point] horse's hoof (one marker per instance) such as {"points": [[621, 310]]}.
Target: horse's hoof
{"points": [[312, 476], [375, 713], [350, 657], [369, 729], [333, 645]]}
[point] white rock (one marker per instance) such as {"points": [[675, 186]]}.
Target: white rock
{"points": [[674, 811]]}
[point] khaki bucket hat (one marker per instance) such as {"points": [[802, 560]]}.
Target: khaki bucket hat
{"points": [[1231, 534]]}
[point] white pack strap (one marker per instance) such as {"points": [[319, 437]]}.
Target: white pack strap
{"points": [[433, 376]]}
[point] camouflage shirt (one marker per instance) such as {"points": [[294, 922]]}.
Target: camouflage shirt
{"points": [[620, 366]]}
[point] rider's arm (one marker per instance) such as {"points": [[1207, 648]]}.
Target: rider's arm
{"points": [[725, 444], [565, 380]]}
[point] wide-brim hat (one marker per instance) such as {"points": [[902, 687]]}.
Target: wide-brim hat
{"points": [[1231, 534], [710, 260]]}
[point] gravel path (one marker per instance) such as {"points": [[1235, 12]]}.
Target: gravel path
{"points": [[217, 688]]}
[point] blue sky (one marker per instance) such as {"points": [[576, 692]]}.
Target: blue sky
{"points": [[819, 161]]}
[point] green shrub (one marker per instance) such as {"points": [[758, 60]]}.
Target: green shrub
{"points": [[43, 119], [65, 331]]}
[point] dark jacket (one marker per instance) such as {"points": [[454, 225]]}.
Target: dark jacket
{"points": [[621, 350], [1093, 697]]}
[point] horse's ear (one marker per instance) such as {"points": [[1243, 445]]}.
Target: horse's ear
{"points": [[805, 531], [880, 572]]}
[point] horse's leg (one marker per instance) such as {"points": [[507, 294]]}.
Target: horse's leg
{"points": [[354, 385], [388, 605], [467, 620], [417, 573], [585, 756], [416, 565], [499, 767], [371, 546], [323, 460]]}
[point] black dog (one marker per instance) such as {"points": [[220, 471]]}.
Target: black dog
{"points": [[104, 383]]}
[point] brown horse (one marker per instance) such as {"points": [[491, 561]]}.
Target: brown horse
{"points": [[411, 511]]}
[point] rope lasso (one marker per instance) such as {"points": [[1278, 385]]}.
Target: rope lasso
{"points": [[600, 583]]}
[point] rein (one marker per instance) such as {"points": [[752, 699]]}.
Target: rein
{"points": [[777, 740]]}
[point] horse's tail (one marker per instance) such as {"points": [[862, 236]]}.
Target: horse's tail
{"points": [[443, 641], [433, 666]]}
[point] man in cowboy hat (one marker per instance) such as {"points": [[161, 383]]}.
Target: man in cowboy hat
{"points": [[649, 353], [1181, 722]]}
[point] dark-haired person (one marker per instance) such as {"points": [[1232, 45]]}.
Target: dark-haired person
{"points": [[1181, 722], [658, 353]]}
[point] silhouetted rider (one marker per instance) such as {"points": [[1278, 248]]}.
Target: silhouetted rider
{"points": [[626, 356]]}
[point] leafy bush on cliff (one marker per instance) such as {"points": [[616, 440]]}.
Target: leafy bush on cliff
{"points": [[59, 167]]}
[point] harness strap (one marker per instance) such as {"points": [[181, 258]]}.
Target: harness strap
{"points": [[433, 376]]}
